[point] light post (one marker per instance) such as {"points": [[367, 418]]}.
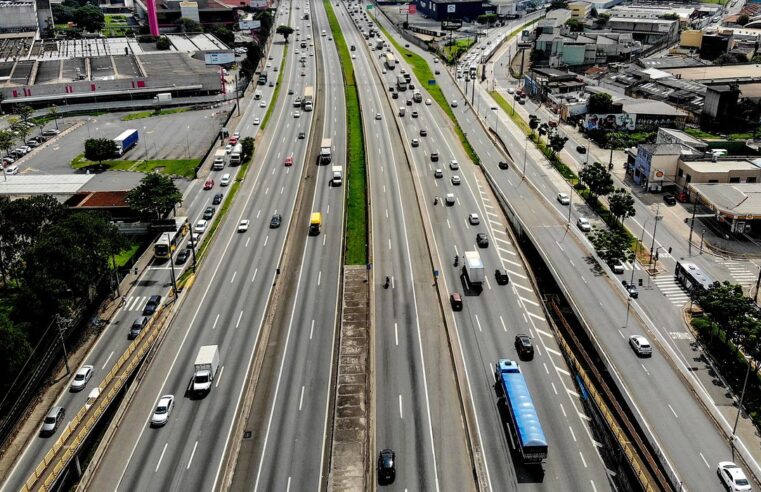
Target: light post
{"points": [[740, 405], [496, 119], [525, 154], [655, 228]]}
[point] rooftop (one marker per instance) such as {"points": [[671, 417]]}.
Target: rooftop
{"points": [[21, 185], [645, 106], [744, 71], [721, 166], [732, 199]]}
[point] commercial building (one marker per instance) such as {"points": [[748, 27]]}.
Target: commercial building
{"points": [[580, 10], [18, 16], [647, 31], [439, 10], [655, 166], [737, 206]]}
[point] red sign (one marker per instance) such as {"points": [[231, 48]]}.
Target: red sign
{"points": [[411, 8]]}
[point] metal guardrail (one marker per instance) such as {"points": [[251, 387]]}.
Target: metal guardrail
{"points": [[54, 463]]}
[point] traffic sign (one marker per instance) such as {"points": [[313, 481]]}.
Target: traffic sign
{"points": [[431, 82]]}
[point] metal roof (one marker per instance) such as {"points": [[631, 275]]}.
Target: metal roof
{"points": [[738, 200], [48, 184]]}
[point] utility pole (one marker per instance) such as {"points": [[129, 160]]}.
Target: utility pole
{"points": [[692, 224], [174, 279], [237, 102], [655, 228], [63, 325], [758, 283], [525, 154]]}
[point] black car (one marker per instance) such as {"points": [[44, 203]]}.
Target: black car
{"points": [[386, 466], [631, 289], [277, 219], [524, 346], [302, 135], [581, 149], [152, 305], [394, 96], [434, 157], [669, 199], [209, 213], [501, 276], [423, 132], [482, 240], [182, 257], [409, 102], [217, 199], [503, 165]]}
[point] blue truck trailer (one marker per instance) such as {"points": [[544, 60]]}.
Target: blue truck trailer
{"points": [[126, 141], [528, 437]]}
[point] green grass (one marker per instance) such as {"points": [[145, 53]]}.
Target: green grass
{"points": [[177, 167], [698, 133], [423, 74], [356, 207], [148, 114], [276, 93], [456, 49], [125, 255]]}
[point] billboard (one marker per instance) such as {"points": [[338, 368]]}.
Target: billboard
{"points": [[259, 4], [219, 57], [249, 24], [451, 25], [613, 122], [411, 9], [451, 8]]}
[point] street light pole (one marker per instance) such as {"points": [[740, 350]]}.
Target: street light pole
{"points": [[655, 228], [739, 407], [692, 224], [525, 154]]}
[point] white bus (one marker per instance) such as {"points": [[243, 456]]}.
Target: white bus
{"points": [[168, 241], [390, 61]]}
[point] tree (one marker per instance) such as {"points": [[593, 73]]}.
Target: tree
{"points": [[727, 59], [90, 18], [224, 34], [14, 350], [725, 304], [248, 147], [7, 140], [24, 112], [575, 24], [557, 142], [602, 19], [613, 246], [670, 16], [155, 196], [533, 123], [743, 19], [18, 126], [598, 179], [285, 31], [487, 19], [99, 149], [599, 103], [53, 113], [163, 43], [621, 204], [558, 4], [189, 25]]}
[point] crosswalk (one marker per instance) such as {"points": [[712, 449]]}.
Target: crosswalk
{"points": [[674, 292], [134, 303], [742, 272], [628, 265]]}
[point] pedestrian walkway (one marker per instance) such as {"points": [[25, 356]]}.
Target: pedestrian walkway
{"points": [[674, 292], [742, 272], [133, 303]]}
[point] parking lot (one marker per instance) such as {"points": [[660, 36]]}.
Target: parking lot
{"points": [[176, 136]]}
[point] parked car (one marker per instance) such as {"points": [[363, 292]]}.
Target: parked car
{"points": [[564, 199], [669, 199], [583, 224]]}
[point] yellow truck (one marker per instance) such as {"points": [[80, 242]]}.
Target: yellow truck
{"points": [[315, 223]]}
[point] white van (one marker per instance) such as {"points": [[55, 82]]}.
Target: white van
{"points": [[258, 94], [12, 169], [402, 110]]}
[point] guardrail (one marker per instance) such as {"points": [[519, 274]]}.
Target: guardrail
{"points": [[54, 463]]}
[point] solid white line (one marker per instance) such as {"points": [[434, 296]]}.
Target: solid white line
{"points": [[108, 359], [301, 398], [219, 376], [191, 455], [161, 457]]}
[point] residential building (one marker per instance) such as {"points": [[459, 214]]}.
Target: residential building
{"points": [[655, 166]]}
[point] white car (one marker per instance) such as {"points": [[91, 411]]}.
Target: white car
{"points": [[564, 199], [263, 104], [456, 180], [225, 180], [732, 476], [378, 116], [454, 165], [200, 227], [473, 219], [236, 135], [269, 64], [228, 148], [454, 103], [94, 394], [353, 56], [449, 199], [510, 90], [438, 173], [427, 102], [243, 226], [163, 409], [583, 224], [640, 345], [297, 114], [256, 121], [81, 378]]}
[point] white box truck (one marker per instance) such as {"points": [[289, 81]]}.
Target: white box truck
{"points": [[338, 175], [163, 97], [219, 160], [205, 369], [326, 151], [236, 154], [473, 269]]}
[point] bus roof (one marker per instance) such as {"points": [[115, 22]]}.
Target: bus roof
{"points": [[527, 424], [696, 273]]}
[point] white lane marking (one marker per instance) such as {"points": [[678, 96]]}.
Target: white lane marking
{"points": [[396, 334], [215, 322], [301, 398], [311, 330], [704, 460], [161, 457], [319, 277], [503, 323], [254, 275], [401, 413], [191, 455], [233, 278], [219, 376], [573, 434], [106, 363], [239, 318], [672, 410], [478, 323], [583, 461]]}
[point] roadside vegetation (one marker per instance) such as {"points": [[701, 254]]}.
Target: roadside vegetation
{"points": [[150, 113], [176, 167], [423, 74], [453, 51], [356, 207], [276, 93]]}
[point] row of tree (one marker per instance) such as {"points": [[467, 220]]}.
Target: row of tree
{"points": [[84, 13], [255, 51], [19, 127]]}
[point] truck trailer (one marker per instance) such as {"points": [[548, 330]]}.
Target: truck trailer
{"points": [[308, 101], [473, 269], [219, 160], [326, 151], [205, 369], [125, 141], [526, 431], [338, 173]]}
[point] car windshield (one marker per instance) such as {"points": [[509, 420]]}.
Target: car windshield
{"points": [[742, 481], [202, 378], [161, 409], [50, 420], [79, 377]]}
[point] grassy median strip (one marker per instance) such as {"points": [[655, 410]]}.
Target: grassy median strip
{"points": [[275, 94], [356, 207], [423, 73], [149, 114]]}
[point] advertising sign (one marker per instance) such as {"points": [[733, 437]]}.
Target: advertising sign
{"points": [[219, 57], [451, 8], [614, 122], [259, 4], [249, 24], [411, 8]]}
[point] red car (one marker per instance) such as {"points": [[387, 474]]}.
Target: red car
{"points": [[289, 160], [233, 140], [209, 184]]}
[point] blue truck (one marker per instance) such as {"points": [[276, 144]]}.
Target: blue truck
{"points": [[526, 430], [126, 141]]}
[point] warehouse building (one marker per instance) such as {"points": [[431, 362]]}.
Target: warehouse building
{"points": [[439, 10]]}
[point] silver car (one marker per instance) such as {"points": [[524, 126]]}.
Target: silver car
{"points": [[52, 420], [163, 409], [81, 378]]}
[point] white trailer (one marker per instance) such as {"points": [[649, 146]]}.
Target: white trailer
{"points": [[205, 368]]}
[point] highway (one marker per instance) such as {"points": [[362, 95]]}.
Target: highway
{"points": [[113, 339], [226, 307], [290, 436], [415, 395], [655, 386], [489, 322]]}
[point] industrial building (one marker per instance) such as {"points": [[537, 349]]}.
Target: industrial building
{"points": [[440, 10], [37, 73]]}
